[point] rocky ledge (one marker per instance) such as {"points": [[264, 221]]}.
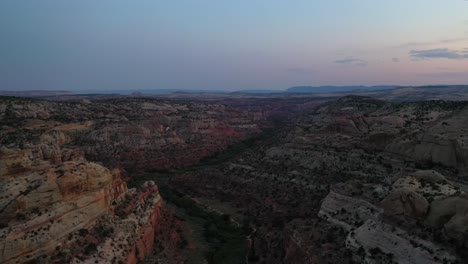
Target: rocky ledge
{"points": [[61, 208], [421, 218]]}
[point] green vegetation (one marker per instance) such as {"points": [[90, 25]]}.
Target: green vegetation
{"points": [[63, 118], [360, 102], [440, 105], [90, 249], [238, 148], [19, 138], [14, 99], [10, 118], [226, 242], [423, 108], [231, 152]]}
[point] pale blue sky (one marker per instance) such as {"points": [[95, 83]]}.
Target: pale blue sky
{"points": [[231, 45]]}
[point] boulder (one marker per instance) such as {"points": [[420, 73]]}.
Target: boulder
{"points": [[451, 213], [405, 203], [429, 176]]}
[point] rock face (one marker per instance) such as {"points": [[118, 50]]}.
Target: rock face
{"points": [[44, 207], [429, 176], [76, 212], [136, 134], [395, 235], [379, 150], [128, 236], [168, 136], [347, 212], [451, 213], [429, 184], [347, 170], [297, 250], [405, 202], [57, 207], [441, 142], [377, 242], [431, 132]]}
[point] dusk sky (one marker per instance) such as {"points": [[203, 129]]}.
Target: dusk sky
{"points": [[230, 45]]}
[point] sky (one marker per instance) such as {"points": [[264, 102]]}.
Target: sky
{"points": [[230, 45]]}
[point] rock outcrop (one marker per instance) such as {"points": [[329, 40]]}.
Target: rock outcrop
{"points": [[134, 134], [429, 184], [42, 208], [451, 214], [405, 202], [57, 207], [127, 236], [377, 242], [347, 212], [348, 170], [398, 234]]}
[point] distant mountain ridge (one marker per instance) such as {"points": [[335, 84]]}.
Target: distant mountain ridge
{"points": [[147, 91], [259, 91], [383, 92], [334, 89]]}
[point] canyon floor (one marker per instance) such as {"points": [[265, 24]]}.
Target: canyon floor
{"points": [[352, 179]]}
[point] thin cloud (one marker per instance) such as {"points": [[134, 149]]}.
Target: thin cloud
{"points": [[414, 44], [429, 43], [352, 61], [439, 54], [395, 59], [454, 40]]}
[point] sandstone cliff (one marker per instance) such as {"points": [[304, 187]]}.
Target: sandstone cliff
{"points": [[57, 207]]}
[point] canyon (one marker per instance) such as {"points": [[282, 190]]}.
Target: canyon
{"points": [[277, 179]]}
